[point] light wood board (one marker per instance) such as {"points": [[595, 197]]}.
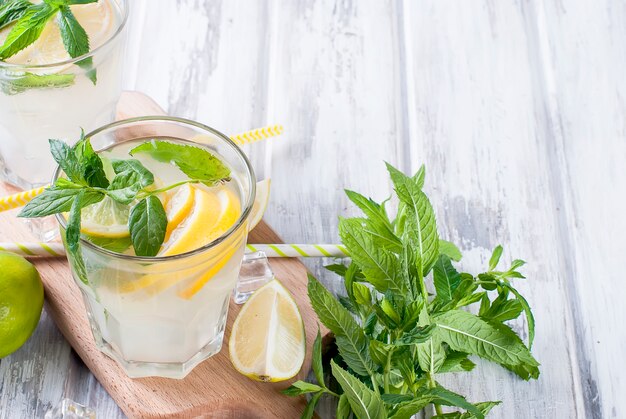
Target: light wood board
{"points": [[214, 388]]}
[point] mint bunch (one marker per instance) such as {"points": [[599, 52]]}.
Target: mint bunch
{"points": [[86, 184], [29, 21], [404, 319]]}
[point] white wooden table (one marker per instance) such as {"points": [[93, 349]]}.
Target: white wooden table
{"points": [[517, 108]]}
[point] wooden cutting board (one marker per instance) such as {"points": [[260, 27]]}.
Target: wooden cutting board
{"points": [[213, 389]]}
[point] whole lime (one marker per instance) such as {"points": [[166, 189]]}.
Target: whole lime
{"points": [[21, 301]]}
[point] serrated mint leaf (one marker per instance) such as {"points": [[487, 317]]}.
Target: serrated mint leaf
{"points": [[27, 29], [377, 222], [12, 10], [147, 224], [351, 340], [365, 403], [380, 266], [379, 351], [55, 200], [431, 353], [495, 257], [316, 356], [456, 362], [301, 387], [197, 163], [502, 310], [449, 249], [67, 160], [419, 334], [309, 410], [465, 332], [362, 294], [343, 408], [72, 232], [74, 36], [90, 163], [117, 245], [130, 177], [470, 299], [484, 407], [530, 318], [446, 278], [420, 227]]}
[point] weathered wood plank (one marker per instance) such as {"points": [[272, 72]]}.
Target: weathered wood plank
{"points": [[478, 121]]}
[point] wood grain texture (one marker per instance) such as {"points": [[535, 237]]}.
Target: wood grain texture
{"points": [[516, 107]]}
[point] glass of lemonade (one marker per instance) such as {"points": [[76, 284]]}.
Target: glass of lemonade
{"points": [[45, 94], [162, 315]]}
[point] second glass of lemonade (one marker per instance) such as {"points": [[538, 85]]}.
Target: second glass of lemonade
{"points": [[46, 94], [162, 315]]}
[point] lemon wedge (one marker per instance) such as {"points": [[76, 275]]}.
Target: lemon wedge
{"points": [[107, 218], [267, 342], [97, 19], [178, 205], [260, 202]]}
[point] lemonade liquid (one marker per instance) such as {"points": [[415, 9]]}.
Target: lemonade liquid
{"points": [[30, 115], [149, 316]]}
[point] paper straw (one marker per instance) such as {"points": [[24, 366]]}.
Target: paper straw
{"points": [[257, 134], [300, 250], [271, 250], [22, 198]]}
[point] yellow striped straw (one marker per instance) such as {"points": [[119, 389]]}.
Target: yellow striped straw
{"points": [[19, 199], [257, 134], [22, 198]]}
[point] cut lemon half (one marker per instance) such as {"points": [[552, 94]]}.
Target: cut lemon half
{"points": [[96, 18], [260, 202], [107, 218], [267, 342]]}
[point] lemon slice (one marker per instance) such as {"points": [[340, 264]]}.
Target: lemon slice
{"points": [[267, 342], [212, 215], [178, 206], [260, 202], [107, 218], [96, 18]]}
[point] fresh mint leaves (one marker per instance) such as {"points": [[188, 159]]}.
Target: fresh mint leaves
{"points": [[196, 163], [393, 333], [86, 183], [29, 21]]}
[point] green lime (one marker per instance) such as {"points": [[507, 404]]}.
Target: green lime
{"points": [[21, 301]]}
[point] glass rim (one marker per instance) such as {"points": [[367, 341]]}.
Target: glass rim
{"points": [[118, 31], [228, 233]]}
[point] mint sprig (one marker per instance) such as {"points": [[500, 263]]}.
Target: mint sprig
{"points": [[30, 20], [86, 183], [403, 320]]}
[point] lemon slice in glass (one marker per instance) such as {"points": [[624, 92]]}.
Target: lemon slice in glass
{"points": [[107, 218], [267, 342]]}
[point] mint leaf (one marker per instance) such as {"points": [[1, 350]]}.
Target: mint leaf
{"points": [[309, 410], [456, 362], [365, 403], [67, 160], [420, 228], [12, 85], [464, 332], [449, 249], [351, 340], [71, 2], [380, 266], [27, 29], [530, 318], [117, 245], [343, 408], [12, 10], [147, 224], [484, 407], [131, 176], [301, 387], [74, 37], [55, 200], [495, 258], [318, 369], [431, 354], [446, 278], [72, 232], [197, 163], [90, 163], [502, 309]]}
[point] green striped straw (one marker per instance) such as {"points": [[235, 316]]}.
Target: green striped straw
{"points": [[270, 250]]}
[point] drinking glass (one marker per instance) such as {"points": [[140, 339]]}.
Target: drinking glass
{"points": [[160, 316], [31, 111]]}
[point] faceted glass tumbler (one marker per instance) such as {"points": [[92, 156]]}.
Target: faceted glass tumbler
{"points": [[162, 316]]}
